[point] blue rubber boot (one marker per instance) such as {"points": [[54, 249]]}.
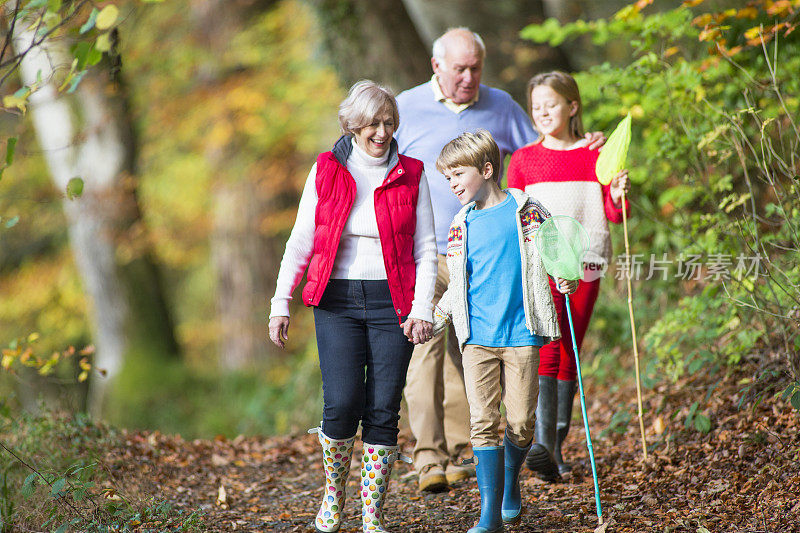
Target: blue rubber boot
{"points": [[512, 498], [489, 470]]}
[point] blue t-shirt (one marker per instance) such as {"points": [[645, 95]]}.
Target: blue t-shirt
{"points": [[494, 273]]}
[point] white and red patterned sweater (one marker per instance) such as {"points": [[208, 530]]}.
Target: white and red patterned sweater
{"points": [[564, 181]]}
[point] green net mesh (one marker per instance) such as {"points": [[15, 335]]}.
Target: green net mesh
{"points": [[562, 243]]}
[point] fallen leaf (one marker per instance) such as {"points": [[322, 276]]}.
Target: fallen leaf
{"points": [[222, 497], [218, 460]]}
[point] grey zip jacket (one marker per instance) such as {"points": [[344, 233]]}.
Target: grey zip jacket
{"points": [[540, 313]]}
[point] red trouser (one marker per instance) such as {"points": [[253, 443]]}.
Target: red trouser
{"points": [[557, 359]]}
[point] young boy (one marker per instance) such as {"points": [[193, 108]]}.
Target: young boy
{"points": [[500, 304]]}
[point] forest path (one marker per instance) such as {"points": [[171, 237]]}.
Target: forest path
{"points": [[742, 476]]}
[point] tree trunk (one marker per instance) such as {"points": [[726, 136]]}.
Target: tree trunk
{"points": [[245, 259], [375, 40], [238, 253], [89, 135]]}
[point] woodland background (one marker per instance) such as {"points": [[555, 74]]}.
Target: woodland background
{"points": [[154, 163]]}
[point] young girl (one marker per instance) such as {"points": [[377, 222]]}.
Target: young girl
{"points": [[559, 171]]}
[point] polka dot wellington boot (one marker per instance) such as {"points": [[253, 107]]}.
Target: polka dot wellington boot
{"points": [[336, 454], [376, 469]]}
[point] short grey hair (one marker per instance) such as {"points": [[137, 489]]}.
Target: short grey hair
{"points": [[440, 45], [365, 100]]}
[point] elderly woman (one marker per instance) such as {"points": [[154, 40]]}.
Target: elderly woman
{"points": [[364, 229]]}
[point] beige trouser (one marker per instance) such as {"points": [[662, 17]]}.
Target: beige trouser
{"points": [[507, 374], [438, 412]]}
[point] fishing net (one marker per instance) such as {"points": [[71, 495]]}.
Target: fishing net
{"points": [[562, 243], [612, 158]]}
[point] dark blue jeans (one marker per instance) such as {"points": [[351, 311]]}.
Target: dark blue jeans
{"points": [[363, 356]]}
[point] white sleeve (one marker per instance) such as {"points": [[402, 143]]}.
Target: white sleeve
{"points": [[299, 248], [424, 256]]}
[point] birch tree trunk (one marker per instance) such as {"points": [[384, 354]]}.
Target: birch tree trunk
{"points": [[89, 135]]}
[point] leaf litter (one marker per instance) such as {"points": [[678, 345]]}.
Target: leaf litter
{"points": [[741, 476]]}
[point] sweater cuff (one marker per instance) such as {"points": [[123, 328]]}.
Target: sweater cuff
{"points": [[280, 307], [614, 212], [421, 312]]}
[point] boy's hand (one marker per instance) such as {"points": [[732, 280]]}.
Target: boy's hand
{"points": [[566, 286], [417, 331], [279, 330], [620, 184]]}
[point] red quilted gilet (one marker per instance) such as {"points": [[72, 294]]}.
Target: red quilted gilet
{"points": [[395, 213]]}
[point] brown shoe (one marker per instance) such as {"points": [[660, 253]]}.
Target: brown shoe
{"points": [[456, 473], [432, 478]]}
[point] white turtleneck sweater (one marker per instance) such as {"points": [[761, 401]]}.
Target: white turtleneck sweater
{"points": [[359, 255]]}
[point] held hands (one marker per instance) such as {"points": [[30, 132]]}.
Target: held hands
{"points": [[279, 330], [620, 184], [417, 331], [566, 286]]}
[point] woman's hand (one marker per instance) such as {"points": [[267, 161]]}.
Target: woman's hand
{"points": [[566, 286], [620, 184], [279, 330], [417, 331]]}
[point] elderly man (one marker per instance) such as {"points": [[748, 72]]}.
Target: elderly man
{"points": [[432, 114]]}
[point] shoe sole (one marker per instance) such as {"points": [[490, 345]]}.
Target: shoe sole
{"points": [[539, 461], [460, 476], [433, 484]]}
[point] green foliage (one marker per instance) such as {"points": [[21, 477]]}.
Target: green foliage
{"points": [[11, 147], [7, 504], [699, 332], [74, 188], [792, 393], [33, 22], [696, 420], [713, 161], [55, 461], [619, 423]]}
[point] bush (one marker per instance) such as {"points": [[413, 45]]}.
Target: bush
{"points": [[713, 93], [52, 475]]}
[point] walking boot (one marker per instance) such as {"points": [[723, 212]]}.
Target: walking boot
{"points": [[336, 455], [376, 469], [457, 470], [512, 498], [540, 457], [432, 478], [566, 395], [490, 472]]}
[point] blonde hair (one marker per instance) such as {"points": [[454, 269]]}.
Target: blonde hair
{"points": [[365, 101], [566, 86], [470, 150]]}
